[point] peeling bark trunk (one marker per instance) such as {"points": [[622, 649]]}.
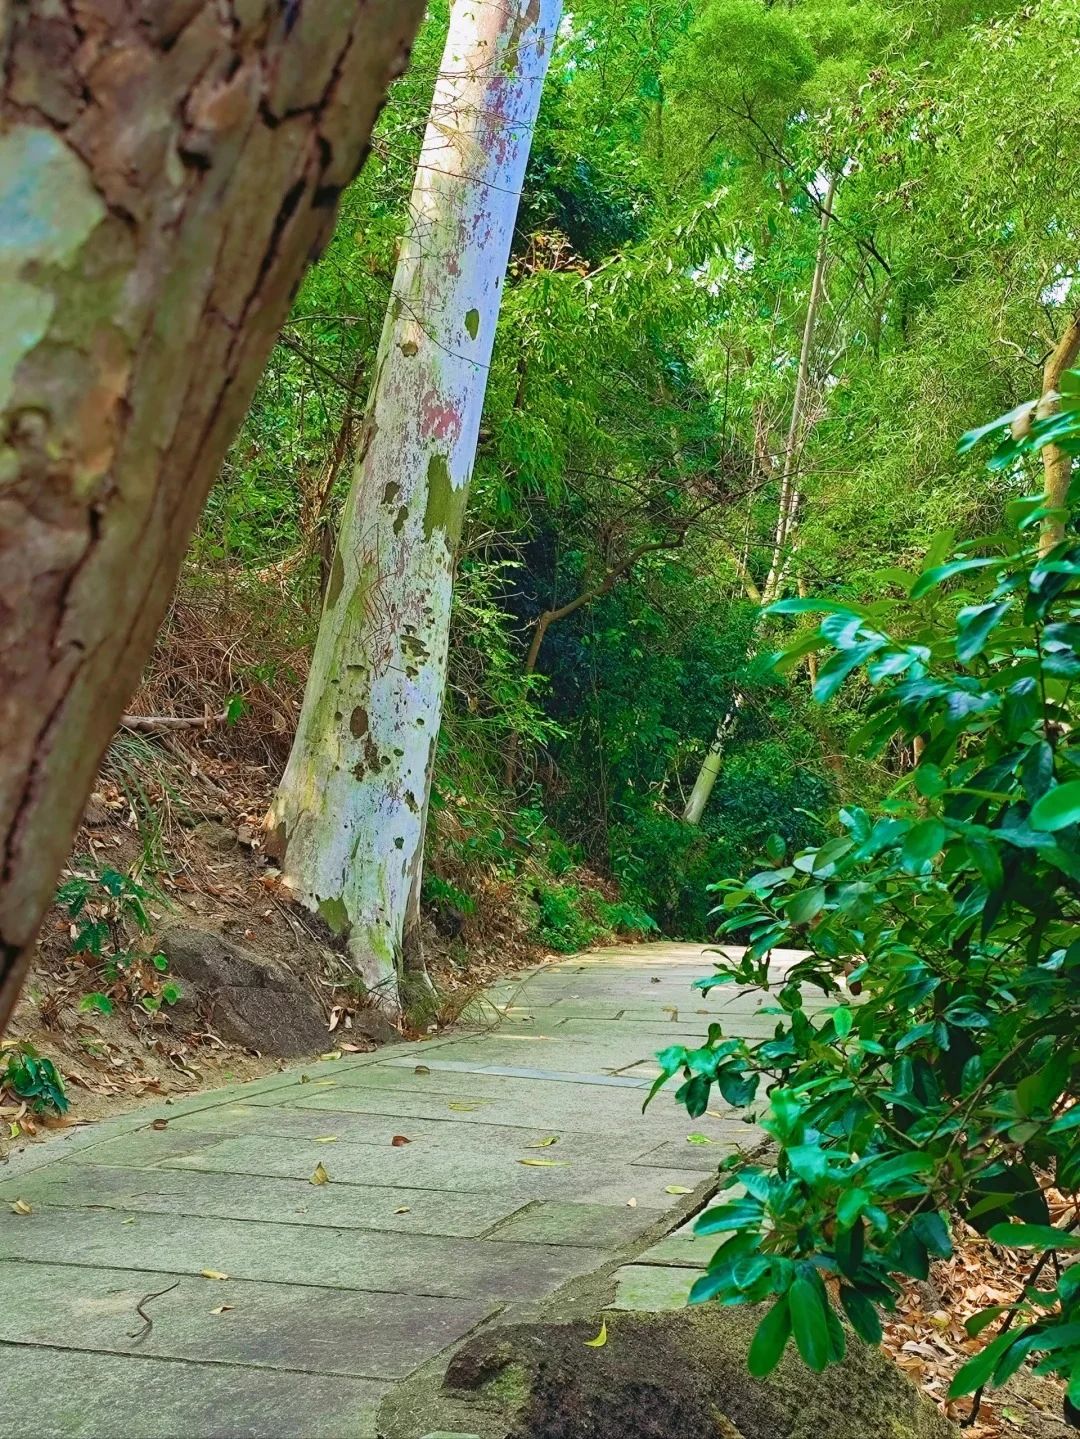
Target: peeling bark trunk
{"points": [[167, 171], [348, 820], [713, 762], [1057, 463]]}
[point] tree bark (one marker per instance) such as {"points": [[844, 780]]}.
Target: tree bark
{"points": [[793, 446], [167, 171], [1057, 463], [348, 820]]}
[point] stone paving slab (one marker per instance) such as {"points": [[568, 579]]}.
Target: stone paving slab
{"points": [[526, 1174], [359, 1334], [652, 1287], [338, 1290], [286, 1253], [683, 1248], [262, 1200], [57, 1394], [312, 1130]]}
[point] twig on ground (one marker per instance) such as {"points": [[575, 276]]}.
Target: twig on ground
{"points": [[148, 1323]]}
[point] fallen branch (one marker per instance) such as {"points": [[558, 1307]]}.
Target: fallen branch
{"points": [[157, 722]]}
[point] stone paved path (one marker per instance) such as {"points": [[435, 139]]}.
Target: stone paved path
{"points": [[336, 1292]]}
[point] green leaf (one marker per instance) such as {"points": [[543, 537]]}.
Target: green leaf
{"points": [[1059, 808], [921, 843], [808, 1324], [933, 1232], [862, 1314], [809, 1162], [806, 905], [974, 625], [1034, 1236], [849, 1207], [770, 1339], [842, 1019], [978, 1371], [931, 578]]}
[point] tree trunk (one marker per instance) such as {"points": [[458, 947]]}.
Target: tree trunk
{"points": [[787, 510], [348, 820], [1057, 463], [793, 447], [167, 172], [712, 764]]}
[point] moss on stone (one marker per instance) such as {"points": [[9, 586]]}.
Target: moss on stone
{"points": [[681, 1375]]}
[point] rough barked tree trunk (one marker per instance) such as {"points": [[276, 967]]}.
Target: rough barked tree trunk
{"points": [[348, 820], [787, 511], [1057, 463], [167, 171]]}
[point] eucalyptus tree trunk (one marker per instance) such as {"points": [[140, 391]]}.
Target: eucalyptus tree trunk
{"points": [[167, 171], [787, 512], [348, 820]]}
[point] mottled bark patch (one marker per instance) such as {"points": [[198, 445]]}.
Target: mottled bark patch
{"points": [[445, 500], [333, 913]]}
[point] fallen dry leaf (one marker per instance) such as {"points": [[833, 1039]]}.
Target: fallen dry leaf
{"points": [[399, 1140], [543, 1143], [223, 1309], [319, 1176], [601, 1338], [421, 1069], [20, 1206], [212, 1274], [325, 1139], [463, 1108], [545, 1163], [403, 1210], [678, 1189]]}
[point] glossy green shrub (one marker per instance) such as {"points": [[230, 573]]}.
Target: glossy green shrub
{"points": [[947, 1090]]}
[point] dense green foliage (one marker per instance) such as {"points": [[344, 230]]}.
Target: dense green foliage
{"points": [[952, 912], [641, 399]]}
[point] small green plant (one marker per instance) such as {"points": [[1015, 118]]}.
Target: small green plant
{"points": [[102, 906], [33, 1078], [563, 923], [626, 917], [442, 893]]}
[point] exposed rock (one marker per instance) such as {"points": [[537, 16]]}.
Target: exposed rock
{"points": [[374, 1025], [679, 1375], [248, 999], [97, 811], [215, 835]]}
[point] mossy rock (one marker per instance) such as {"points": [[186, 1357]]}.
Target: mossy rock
{"points": [[678, 1375]]}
